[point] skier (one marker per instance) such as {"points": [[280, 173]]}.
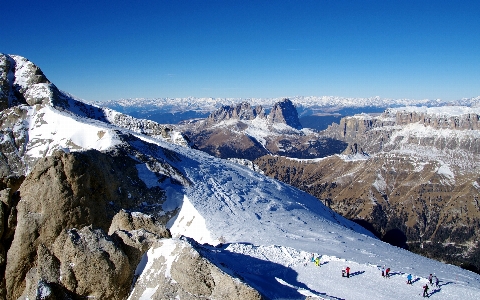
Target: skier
{"points": [[387, 273], [436, 281], [430, 278], [425, 290], [343, 272], [317, 261], [348, 271], [409, 279], [312, 259], [383, 271]]}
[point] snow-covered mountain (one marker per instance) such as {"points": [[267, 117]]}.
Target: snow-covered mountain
{"points": [[89, 197]]}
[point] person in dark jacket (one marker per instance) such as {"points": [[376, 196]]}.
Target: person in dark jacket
{"points": [[425, 290]]}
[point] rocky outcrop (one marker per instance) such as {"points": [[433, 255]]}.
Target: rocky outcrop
{"points": [[242, 111], [68, 191], [150, 128], [176, 269], [460, 121], [454, 128], [282, 112], [22, 82], [285, 112]]}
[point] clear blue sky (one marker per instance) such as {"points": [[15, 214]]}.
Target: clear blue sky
{"points": [[99, 50]]}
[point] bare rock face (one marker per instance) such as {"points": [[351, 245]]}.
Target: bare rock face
{"points": [[426, 128], [137, 232], [12, 145], [68, 191], [23, 82], [175, 269], [285, 112], [242, 111], [92, 264], [6, 66]]}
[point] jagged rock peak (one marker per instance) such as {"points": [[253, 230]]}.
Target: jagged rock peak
{"points": [[285, 112], [22, 82], [242, 111]]}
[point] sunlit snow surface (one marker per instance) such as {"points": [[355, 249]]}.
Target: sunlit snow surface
{"points": [[66, 131]]}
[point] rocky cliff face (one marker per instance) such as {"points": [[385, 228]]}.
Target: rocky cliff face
{"points": [[191, 276], [242, 111], [65, 209], [409, 176], [76, 222], [452, 128], [285, 112]]}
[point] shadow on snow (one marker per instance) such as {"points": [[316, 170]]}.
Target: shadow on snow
{"points": [[272, 280]]}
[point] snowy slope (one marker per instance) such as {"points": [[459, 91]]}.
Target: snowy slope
{"points": [[265, 230]]}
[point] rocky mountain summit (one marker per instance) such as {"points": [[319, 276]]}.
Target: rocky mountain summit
{"points": [[409, 174], [285, 112], [247, 132], [242, 111]]}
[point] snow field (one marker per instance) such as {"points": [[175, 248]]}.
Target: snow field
{"points": [[285, 273]]}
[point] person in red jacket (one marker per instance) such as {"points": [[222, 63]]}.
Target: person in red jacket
{"points": [[387, 273], [348, 271], [425, 290]]}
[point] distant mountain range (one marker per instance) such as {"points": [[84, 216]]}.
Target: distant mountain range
{"points": [[174, 110]]}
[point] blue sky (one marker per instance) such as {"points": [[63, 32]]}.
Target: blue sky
{"points": [[100, 50]]}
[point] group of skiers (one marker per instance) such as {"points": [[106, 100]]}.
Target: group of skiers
{"points": [[385, 274], [430, 280]]}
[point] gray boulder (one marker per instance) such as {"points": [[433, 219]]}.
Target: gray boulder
{"points": [[173, 268]]}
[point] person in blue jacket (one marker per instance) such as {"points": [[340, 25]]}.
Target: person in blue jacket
{"points": [[409, 279]]}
